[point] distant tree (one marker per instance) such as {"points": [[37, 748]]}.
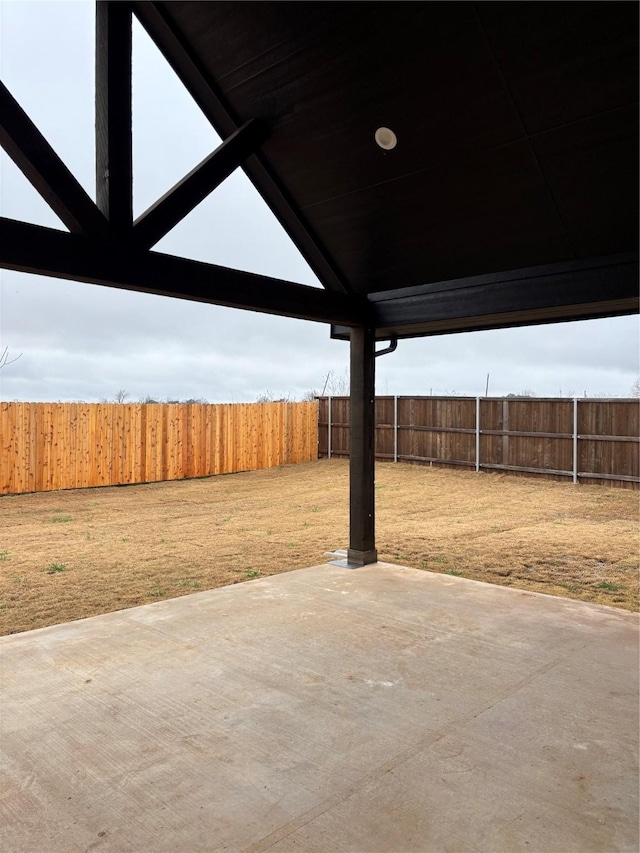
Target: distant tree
{"points": [[635, 388], [526, 393], [333, 385], [122, 396], [148, 400], [5, 361], [270, 397], [338, 385]]}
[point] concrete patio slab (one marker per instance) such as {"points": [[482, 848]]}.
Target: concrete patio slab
{"points": [[382, 709]]}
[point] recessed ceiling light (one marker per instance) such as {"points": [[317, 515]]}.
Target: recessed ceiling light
{"points": [[386, 138]]}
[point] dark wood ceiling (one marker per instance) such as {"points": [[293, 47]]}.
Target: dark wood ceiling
{"points": [[516, 125], [511, 197]]}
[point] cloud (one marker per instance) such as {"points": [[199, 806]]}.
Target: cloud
{"points": [[86, 342]]}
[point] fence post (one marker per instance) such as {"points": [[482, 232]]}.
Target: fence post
{"points": [[504, 440], [395, 428], [477, 434], [329, 431], [575, 439]]}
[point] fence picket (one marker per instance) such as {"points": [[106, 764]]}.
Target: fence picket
{"points": [[49, 446], [523, 436]]}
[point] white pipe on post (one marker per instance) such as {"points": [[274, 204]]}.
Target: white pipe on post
{"points": [[575, 439], [395, 428], [478, 433], [329, 431]]}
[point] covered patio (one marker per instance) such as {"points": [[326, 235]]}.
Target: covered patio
{"points": [[387, 709], [442, 167]]}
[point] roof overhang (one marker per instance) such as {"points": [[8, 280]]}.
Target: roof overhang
{"points": [[578, 290]]}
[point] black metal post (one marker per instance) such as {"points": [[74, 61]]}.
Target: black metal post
{"points": [[362, 547]]}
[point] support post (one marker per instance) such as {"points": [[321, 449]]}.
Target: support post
{"points": [[575, 439], [477, 434], [114, 164], [362, 550]]}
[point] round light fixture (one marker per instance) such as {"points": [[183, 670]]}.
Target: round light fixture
{"points": [[386, 138]]}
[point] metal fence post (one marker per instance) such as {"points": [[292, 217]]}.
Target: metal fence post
{"points": [[575, 439], [477, 434], [395, 428], [329, 431]]}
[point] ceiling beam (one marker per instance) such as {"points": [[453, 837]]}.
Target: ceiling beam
{"points": [[45, 251], [161, 217], [204, 92], [575, 290], [42, 167], [114, 163]]}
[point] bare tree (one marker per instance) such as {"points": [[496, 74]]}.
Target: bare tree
{"points": [[635, 388], [333, 385], [337, 385], [4, 358], [122, 396], [270, 397]]}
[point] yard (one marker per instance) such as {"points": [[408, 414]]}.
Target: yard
{"points": [[70, 554]]}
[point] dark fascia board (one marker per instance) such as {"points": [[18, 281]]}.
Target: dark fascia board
{"points": [[45, 251], [553, 293], [204, 92]]}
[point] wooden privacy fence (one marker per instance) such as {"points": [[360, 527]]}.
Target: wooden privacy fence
{"points": [[580, 439], [46, 446]]}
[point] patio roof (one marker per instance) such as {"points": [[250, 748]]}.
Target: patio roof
{"points": [[517, 147], [510, 197]]}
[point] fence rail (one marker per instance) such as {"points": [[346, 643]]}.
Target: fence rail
{"points": [[47, 446], [584, 439]]}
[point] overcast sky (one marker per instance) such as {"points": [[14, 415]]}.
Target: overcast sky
{"points": [[85, 342]]}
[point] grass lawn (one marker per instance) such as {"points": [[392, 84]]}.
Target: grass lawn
{"points": [[67, 555]]}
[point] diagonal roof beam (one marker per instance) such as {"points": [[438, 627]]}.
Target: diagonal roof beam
{"points": [[161, 217], [45, 251], [114, 158], [203, 91], [42, 167]]}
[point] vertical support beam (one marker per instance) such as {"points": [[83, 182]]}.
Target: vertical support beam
{"points": [[575, 439], [395, 428], [362, 548], [477, 434], [114, 159], [329, 430]]}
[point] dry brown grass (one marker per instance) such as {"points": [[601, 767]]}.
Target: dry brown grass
{"points": [[124, 546]]}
